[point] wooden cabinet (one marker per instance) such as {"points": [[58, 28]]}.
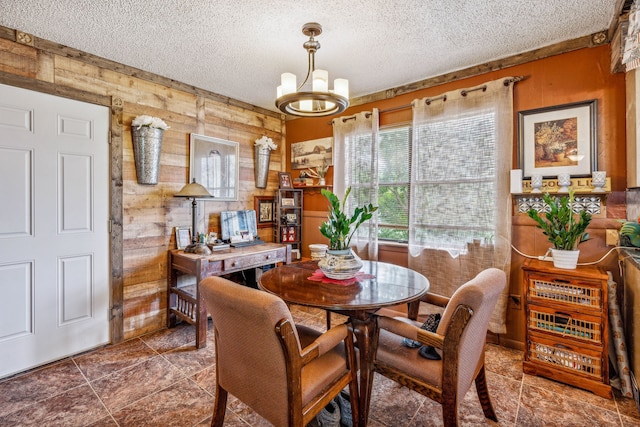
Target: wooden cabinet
{"points": [[567, 325], [289, 219]]}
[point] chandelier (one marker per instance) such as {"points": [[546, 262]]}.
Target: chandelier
{"points": [[316, 100]]}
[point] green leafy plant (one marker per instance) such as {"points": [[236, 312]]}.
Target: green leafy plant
{"points": [[339, 228], [564, 229]]}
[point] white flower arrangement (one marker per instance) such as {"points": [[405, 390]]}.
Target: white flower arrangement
{"points": [[152, 122], [265, 142]]}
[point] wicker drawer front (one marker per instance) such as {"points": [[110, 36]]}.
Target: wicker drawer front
{"points": [[566, 291], [570, 325], [568, 358]]}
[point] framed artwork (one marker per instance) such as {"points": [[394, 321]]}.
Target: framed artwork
{"points": [[308, 154], [284, 179], [183, 237], [213, 163], [291, 218], [288, 202], [264, 208], [558, 139]]}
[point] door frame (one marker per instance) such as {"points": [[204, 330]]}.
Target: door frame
{"points": [[115, 105]]}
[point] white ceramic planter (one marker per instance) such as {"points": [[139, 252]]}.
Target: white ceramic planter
{"points": [[565, 259]]}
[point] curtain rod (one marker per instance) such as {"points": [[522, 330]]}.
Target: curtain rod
{"points": [[463, 92]]}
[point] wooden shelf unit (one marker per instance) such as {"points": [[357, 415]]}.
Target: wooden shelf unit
{"points": [[288, 209], [566, 325]]}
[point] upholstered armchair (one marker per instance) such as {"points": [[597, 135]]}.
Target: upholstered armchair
{"points": [[286, 373], [459, 339]]}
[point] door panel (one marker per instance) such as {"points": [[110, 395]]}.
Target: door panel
{"points": [[16, 168], [16, 286], [54, 241]]}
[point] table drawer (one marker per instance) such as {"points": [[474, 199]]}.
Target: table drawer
{"points": [[247, 261], [575, 359], [565, 324], [579, 293]]}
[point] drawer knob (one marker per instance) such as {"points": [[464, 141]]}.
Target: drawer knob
{"points": [[268, 256]]}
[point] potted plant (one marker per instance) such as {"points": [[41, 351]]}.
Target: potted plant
{"points": [[340, 261], [564, 229]]}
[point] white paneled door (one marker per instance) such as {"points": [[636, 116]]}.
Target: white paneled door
{"points": [[54, 241]]}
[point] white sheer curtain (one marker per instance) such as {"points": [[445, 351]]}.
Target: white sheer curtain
{"points": [[460, 209], [355, 165]]}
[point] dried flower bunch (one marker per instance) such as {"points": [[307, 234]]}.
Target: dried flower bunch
{"points": [[320, 170], [265, 142], [148, 121]]}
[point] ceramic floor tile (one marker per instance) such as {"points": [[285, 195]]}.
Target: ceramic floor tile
{"points": [[626, 406], [545, 407], [176, 388], [172, 338], [206, 379], [25, 389], [392, 404], [505, 397], [135, 382], [190, 360], [504, 361], [113, 358], [181, 404], [75, 407], [570, 392], [105, 422], [629, 421]]}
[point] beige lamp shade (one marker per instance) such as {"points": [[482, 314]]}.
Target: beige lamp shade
{"points": [[193, 190]]}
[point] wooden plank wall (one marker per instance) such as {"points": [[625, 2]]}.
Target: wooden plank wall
{"points": [[148, 213]]}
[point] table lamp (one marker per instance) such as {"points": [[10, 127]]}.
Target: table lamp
{"points": [[194, 191]]}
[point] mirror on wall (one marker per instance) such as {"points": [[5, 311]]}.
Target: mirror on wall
{"points": [[213, 162]]}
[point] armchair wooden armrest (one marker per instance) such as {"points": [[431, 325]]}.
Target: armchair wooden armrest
{"points": [[324, 343], [434, 299]]}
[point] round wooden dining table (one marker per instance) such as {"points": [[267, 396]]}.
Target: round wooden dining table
{"points": [[377, 285]]}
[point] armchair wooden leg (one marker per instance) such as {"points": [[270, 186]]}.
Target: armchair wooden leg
{"points": [[450, 414], [220, 407], [483, 394]]}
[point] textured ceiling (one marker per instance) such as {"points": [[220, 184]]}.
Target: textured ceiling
{"points": [[239, 48]]}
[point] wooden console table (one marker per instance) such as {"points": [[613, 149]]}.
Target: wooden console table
{"points": [[184, 302]]}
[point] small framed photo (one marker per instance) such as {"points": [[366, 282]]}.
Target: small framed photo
{"points": [[291, 218], [288, 202], [263, 206], [183, 237], [558, 139], [284, 179]]}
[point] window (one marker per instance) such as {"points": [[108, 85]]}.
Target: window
{"points": [[465, 174], [456, 181], [393, 183]]}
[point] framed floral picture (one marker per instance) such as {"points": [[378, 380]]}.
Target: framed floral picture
{"points": [[558, 139]]}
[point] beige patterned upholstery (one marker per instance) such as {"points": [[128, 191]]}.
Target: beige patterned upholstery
{"points": [[285, 373], [460, 339]]}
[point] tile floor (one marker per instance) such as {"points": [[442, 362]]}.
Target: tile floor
{"points": [[161, 380]]}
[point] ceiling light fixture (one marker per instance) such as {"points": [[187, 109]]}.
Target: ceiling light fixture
{"points": [[319, 100]]}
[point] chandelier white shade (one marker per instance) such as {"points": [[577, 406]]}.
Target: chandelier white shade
{"points": [[312, 98]]}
